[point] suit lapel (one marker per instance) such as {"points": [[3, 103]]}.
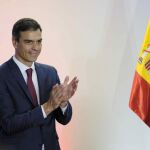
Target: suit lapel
{"points": [[19, 78], [41, 75]]}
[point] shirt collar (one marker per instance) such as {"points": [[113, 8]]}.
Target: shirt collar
{"points": [[22, 66]]}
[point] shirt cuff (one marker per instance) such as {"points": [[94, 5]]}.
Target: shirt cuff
{"points": [[63, 109], [44, 114]]}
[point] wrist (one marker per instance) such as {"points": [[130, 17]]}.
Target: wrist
{"points": [[47, 108]]}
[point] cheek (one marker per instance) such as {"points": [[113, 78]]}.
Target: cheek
{"points": [[24, 51], [39, 47]]}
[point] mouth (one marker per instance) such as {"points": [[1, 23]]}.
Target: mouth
{"points": [[34, 53]]}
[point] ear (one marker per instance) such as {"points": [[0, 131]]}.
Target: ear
{"points": [[14, 42]]}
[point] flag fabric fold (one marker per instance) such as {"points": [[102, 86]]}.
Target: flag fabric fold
{"points": [[140, 93]]}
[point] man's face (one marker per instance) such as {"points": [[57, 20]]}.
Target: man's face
{"points": [[28, 48]]}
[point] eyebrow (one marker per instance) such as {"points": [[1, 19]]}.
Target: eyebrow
{"points": [[26, 40]]}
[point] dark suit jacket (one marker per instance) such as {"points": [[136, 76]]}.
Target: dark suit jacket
{"points": [[22, 125]]}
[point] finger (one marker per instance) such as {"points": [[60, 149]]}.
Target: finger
{"points": [[58, 91], [66, 80], [73, 90], [75, 83], [55, 90], [73, 80], [72, 85]]}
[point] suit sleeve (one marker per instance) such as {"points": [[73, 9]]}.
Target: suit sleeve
{"points": [[63, 118], [10, 121]]}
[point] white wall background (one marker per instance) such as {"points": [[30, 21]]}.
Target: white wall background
{"points": [[99, 41]]}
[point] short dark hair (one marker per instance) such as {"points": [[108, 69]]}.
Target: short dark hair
{"points": [[25, 24]]}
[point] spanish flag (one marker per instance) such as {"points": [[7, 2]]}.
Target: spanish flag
{"points": [[140, 92]]}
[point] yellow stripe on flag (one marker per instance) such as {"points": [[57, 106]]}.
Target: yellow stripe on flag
{"points": [[144, 57]]}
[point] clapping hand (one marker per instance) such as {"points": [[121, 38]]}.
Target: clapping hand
{"points": [[60, 94], [68, 89]]}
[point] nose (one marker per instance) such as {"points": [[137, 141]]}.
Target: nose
{"points": [[35, 46]]}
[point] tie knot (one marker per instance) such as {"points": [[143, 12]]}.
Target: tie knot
{"points": [[29, 72]]}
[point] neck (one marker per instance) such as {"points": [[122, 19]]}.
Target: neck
{"points": [[25, 62]]}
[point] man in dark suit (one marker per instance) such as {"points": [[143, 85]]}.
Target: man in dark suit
{"points": [[31, 95]]}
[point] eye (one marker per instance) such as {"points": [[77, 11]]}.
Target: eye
{"points": [[28, 41], [39, 41]]}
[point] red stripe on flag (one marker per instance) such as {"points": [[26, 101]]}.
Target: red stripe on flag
{"points": [[140, 98]]}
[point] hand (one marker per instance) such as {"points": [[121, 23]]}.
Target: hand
{"points": [[68, 89], [56, 97], [60, 95]]}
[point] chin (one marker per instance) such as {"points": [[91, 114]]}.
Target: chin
{"points": [[33, 59]]}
